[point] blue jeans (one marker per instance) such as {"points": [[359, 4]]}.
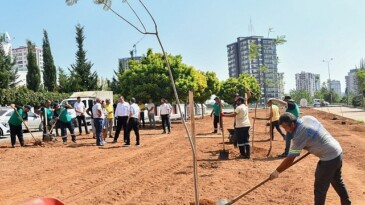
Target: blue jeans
{"points": [[330, 172], [98, 123]]}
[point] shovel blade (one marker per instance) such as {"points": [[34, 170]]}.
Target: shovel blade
{"points": [[224, 155]]}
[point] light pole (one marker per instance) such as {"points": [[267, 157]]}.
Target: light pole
{"points": [[329, 76]]}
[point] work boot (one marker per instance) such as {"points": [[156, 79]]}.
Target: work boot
{"points": [[283, 155], [248, 151]]}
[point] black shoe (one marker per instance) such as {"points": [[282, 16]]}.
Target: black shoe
{"points": [[114, 141], [283, 155], [111, 136], [137, 144], [214, 132], [126, 145], [88, 133], [74, 140], [164, 132], [12, 146]]}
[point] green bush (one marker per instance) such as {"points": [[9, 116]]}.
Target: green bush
{"points": [[23, 96]]}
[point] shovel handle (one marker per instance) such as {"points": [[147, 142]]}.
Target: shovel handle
{"points": [[26, 126], [263, 182]]}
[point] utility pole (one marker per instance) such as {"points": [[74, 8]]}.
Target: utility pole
{"points": [[329, 77]]}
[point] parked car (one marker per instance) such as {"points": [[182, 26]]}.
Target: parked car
{"points": [[324, 104], [4, 128], [316, 102], [34, 120]]}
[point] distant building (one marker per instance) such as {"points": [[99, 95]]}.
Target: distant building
{"points": [[335, 85], [307, 81], [352, 86], [239, 62], [5, 42], [21, 62], [123, 62]]}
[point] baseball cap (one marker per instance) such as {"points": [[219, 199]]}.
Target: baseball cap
{"points": [[28, 107]]}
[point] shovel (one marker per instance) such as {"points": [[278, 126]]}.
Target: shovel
{"points": [[50, 136], [223, 154], [226, 202]]}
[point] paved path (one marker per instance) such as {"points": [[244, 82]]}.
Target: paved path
{"points": [[351, 113]]}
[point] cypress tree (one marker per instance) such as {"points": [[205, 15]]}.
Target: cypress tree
{"points": [[49, 69], [81, 76], [33, 74], [8, 73]]}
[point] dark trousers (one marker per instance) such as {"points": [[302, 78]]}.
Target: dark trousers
{"points": [[166, 122], [288, 138], [243, 140], [121, 123], [16, 131], [275, 124], [98, 124], [141, 115], [133, 124], [64, 126], [79, 119], [330, 172], [215, 123]]}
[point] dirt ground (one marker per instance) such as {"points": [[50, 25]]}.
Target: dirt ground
{"points": [[161, 170]]}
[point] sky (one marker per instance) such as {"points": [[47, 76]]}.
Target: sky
{"points": [[199, 31]]}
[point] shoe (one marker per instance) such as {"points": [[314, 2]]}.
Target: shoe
{"points": [[65, 143], [94, 137], [104, 142], [74, 141], [164, 132], [100, 145], [88, 133], [241, 156], [126, 145], [282, 155], [114, 141], [80, 133], [138, 145], [214, 132], [12, 146], [111, 136]]}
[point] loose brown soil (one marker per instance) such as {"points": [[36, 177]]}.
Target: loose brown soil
{"points": [[161, 170]]}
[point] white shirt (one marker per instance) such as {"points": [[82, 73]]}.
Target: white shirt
{"points": [[79, 106], [149, 106], [134, 110], [122, 110], [242, 118], [95, 109], [165, 109]]}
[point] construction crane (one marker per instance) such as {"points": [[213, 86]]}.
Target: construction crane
{"points": [[133, 52]]}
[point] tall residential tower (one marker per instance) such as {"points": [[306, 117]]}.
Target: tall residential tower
{"points": [[239, 62]]}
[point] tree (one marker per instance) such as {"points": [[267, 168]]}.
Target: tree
{"points": [[213, 87], [49, 68], [297, 95], [33, 74], [8, 73], [63, 81], [81, 77], [150, 79], [240, 85]]}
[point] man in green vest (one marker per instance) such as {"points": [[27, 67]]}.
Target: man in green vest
{"points": [[19, 115], [292, 108], [65, 121]]}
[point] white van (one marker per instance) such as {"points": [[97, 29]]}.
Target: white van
{"points": [[316, 102], [88, 98]]}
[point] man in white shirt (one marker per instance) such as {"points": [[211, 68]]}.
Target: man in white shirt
{"points": [[165, 111], [121, 113], [98, 117], [151, 113], [79, 107], [133, 123]]}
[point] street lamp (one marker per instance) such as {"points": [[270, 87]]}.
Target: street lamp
{"points": [[329, 76]]}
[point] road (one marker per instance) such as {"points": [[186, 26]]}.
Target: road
{"points": [[351, 113]]}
